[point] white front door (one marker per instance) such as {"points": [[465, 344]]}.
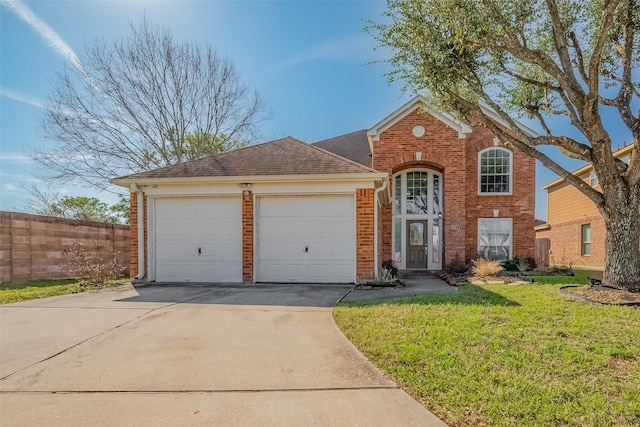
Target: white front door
{"points": [[197, 239], [306, 239]]}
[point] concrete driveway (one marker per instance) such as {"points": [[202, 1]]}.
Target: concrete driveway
{"points": [[264, 355]]}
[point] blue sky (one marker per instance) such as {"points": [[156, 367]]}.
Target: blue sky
{"points": [[307, 59]]}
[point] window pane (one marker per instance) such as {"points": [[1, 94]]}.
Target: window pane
{"points": [[435, 241], [586, 239], [397, 243], [416, 234], [398, 195], [417, 190], [436, 194], [495, 167], [494, 238]]}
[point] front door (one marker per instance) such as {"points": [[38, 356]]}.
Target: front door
{"points": [[416, 244]]}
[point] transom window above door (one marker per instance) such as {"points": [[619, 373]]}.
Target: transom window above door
{"points": [[417, 193]]}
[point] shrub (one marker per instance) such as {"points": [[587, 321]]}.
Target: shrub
{"points": [[391, 267], [456, 266], [90, 267], [483, 268], [520, 263]]}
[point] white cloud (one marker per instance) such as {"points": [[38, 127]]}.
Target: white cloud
{"points": [[335, 49], [44, 30], [14, 157], [21, 97], [9, 187]]}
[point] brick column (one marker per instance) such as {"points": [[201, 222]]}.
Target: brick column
{"points": [[365, 268], [133, 235], [247, 237]]}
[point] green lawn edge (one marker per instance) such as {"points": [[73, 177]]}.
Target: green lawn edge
{"points": [[36, 289], [505, 355]]}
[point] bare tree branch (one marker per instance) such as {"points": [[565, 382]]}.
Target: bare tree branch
{"points": [[136, 103]]}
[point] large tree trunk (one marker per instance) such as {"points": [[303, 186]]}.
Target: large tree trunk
{"points": [[622, 245]]}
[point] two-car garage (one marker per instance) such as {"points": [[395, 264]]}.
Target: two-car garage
{"points": [[297, 239]]}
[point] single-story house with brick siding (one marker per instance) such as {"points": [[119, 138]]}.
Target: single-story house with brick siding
{"points": [[419, 188]]}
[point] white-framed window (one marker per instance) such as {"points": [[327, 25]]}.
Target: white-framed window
{"points": [[593, 179], [495, 238], [585, 247], [495, 171], [417, 196]]}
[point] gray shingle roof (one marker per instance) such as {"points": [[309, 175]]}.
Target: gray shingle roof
{"points": [[353, 146], [286, 156]]}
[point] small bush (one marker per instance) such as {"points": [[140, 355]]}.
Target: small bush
{"points": [[391, 267], [89, 267], [484, 268], [520, 263], [456, 266]]}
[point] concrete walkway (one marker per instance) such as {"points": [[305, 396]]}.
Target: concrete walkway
{"points": [[416, 284], [264, 355]]}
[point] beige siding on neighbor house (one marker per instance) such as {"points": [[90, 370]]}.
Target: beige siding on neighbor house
{"points": [[567, 203]]}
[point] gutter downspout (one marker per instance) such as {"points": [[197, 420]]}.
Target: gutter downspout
{"points": [[376, 200], [140, 214]]}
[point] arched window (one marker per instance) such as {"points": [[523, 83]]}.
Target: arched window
{"points": [[495, 171]]}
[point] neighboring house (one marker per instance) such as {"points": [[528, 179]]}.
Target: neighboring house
{"points": [[574, 226], [419, 187]]}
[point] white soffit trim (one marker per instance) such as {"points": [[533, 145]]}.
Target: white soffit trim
{"points": [[125, 182], [410, 107]]}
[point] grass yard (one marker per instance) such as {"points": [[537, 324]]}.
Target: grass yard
{"points": [[580, 277], [502, 355], [35, 289]]}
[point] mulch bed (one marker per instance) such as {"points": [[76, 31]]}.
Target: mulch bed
{"points": [[602, 295]]}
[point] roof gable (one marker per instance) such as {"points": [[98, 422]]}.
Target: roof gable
{"points": [[282, 157], [448, 119], [417, 102]]}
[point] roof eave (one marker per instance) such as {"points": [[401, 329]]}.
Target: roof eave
{"points": [[372, 176], [586, 168]]}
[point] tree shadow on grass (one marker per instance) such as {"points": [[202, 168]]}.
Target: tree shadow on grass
{"points": [[467, 294]]}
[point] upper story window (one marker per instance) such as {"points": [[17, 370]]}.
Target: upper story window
{"points": [[593, 179], [495, 171]]}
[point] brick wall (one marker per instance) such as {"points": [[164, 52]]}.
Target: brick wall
{"points": [[364, 233], [520, 205], [133, 241], [31, 245], [566, 243], [441, 150], [457, 159], [247, 237]]}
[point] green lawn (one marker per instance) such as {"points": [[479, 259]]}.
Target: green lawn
{"points": [[504, 355], [580, 277], [39, 289]]}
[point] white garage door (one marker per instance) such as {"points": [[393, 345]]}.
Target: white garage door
{"points": [[306, 239], [198, 240]]}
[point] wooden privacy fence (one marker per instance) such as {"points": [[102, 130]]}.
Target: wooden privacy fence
{"points": [[31, 245], [543, 246]]}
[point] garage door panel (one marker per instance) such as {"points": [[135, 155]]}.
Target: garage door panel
{"points": [[184, 225], [324, 224]]}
